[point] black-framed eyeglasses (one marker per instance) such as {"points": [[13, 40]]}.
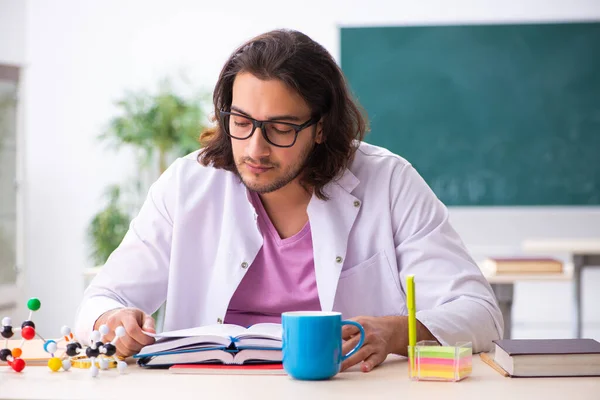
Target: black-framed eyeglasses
{"points": [[280, 134]]}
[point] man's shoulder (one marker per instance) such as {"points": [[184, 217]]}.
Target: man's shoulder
{"points": [[190, 165], [370, 158], [188, 170]]}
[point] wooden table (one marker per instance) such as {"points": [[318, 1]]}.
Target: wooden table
{"points": [[584, 253], [388, 381]]}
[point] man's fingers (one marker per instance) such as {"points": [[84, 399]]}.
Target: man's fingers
{"points": [[148, 324], [372, 361], [112, 320], [349, 344], [133, 321], [134, 331], [124, 351], [357, 357], [349, 330], [129, 343], [109, 337]]}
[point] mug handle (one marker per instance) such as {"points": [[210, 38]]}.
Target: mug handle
{"points": [[360, 342]]}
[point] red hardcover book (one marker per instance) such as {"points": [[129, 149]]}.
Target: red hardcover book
{"points": [[229, 369]]}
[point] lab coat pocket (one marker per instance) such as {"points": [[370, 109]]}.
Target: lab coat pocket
{"points": [[369, 289]]}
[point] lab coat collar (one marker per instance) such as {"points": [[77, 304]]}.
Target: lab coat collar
{"points": [[347, 181], [331, 221]]}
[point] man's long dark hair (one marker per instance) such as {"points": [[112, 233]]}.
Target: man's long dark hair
{"points": [[306, 67]]}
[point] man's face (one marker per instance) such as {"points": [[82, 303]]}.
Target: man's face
{"points": [[262, 166]]}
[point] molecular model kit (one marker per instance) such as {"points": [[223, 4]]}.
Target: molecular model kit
{"points": [[97, 355], [27, 329]]}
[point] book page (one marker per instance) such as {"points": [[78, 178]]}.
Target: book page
{"points": [[258, 356], [223, 330], [179, 344], [258, 343], [264, 330]]}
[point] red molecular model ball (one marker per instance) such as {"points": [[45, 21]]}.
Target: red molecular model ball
{"points": [[28, 333], [18, 364]]}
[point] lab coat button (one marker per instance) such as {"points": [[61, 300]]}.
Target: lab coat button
{"points": [[338, 259], [244, 265], [356, 203]]}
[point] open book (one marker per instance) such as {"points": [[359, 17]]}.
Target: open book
{"points": [[221, 343], [248, 356]]}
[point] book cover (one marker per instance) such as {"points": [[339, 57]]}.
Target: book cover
{"points": [[517, 347], [224, 369]]}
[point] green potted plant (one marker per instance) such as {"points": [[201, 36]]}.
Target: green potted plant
{"points": [[108, 227], [160, 126]]}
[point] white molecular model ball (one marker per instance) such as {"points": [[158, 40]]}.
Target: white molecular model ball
{"points": [[51, 347], [120, 331], [103, 363], [65, 331], [96, 336], [121, 366], [104, 330], [66, 364]]}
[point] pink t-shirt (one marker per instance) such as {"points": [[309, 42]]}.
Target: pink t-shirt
{"points": [[281, 278]]}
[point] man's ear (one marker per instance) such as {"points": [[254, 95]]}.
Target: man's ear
{"points": [[319, 135]]}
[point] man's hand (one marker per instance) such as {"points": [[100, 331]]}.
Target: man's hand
{"points": [[383, 335], [134, 321]]}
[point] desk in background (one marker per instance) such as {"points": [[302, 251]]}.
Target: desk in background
{"points": [[584, 253], [388, 381], [503, 287]]}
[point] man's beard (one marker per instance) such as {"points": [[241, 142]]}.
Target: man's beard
{"points": [[291, 173]]}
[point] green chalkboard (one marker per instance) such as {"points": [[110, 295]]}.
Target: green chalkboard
{"points": [[488, 114]]}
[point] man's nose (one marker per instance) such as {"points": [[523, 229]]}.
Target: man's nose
{"points": [[257, 147]]}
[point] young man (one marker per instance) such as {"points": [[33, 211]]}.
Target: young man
{"points": [[285, 208]]}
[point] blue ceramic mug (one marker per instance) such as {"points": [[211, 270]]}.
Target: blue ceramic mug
{"points": [[312, 343]]}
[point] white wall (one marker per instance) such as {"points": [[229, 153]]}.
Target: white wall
{"points": [[12, 31], [83, 55]]}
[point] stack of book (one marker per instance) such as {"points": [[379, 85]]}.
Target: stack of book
{"points": [[508, 266], [215, 348]]}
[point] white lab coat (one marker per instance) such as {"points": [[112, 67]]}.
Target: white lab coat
{"points": [[197, 234]]}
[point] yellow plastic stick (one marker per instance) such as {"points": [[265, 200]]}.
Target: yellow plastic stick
{"points": [[412, 317]]}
